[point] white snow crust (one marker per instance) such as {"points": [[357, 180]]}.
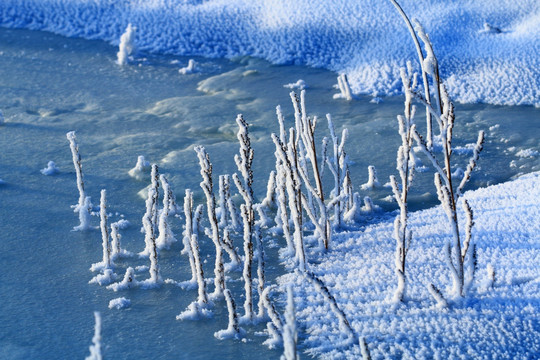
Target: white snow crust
{"points": [[494, 320], [367, 40]]}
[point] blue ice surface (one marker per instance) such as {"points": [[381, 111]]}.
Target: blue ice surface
{"points": [[488, 50], [51, 85]]}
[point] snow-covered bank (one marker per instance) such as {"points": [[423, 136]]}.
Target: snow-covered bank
{"points": [[502, 322], [496, 63]]}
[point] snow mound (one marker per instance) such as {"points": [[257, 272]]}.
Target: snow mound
{"points": [[485, 48], [495, 320], [119, 303]]}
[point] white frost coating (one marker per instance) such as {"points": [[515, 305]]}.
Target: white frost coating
{"points": [[233, 330], [95, 348], [51, 169], [141, 169], [359, 273], [103, 225], [290, 336], [370, 51], [116, 246], [85, 215], [373, 181], [166, 237], [190, 68], [127, 45], [528, 153], [207, 186], [119, 303], [128, 282], [78, 167], [299, 85], [344, 87]]}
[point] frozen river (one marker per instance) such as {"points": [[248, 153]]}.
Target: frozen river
{"points": [[50, 85]]}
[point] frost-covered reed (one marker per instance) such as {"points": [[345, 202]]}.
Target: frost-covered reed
{"points": [[290, 335], [233, 329], [166, 237], [341, 194], [208, 188], [190, 68], [405, 166], [188, 233], [275, 325], [287, 172], [307, 152], [127, 45], [344, 88], [149, 219], [84, 206], [141, 168], [344, 324], [458, 250], [373, 180], [95, 348]]}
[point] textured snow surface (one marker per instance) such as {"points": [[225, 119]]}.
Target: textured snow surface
{"points": [[502, 322], [488, 50]]}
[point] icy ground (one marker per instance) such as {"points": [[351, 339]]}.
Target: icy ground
{"points": [[50, 85], [488, 50], [502, 322]]}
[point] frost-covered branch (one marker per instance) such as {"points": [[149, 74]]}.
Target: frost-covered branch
{"points": [[207, 186]]}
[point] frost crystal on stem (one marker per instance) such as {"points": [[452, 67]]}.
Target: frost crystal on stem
{"points": [[207, 186], [443, 113], [84, 206], [127, 45], [95, 348]]}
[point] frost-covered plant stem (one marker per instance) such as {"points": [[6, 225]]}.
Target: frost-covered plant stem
{"points": [[338, 167], [150, 239], [260, 273], [95, 348], [127, 45], [288, 170], [166, 236], [84, 205], [405, 166], [149, 219], [106, 244], [305, 128], [429, 122], [188, 232], [233, 329], [78, 167], [456, 252], [201, 285], [344, 324], [207, 186], [275, 327], [248, 260], [290, 336]]}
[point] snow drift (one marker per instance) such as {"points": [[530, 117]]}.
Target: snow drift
{"points": [[488, 50]]}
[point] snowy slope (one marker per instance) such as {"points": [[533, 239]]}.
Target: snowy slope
{"points": [[365, 39], [502, 322]]}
